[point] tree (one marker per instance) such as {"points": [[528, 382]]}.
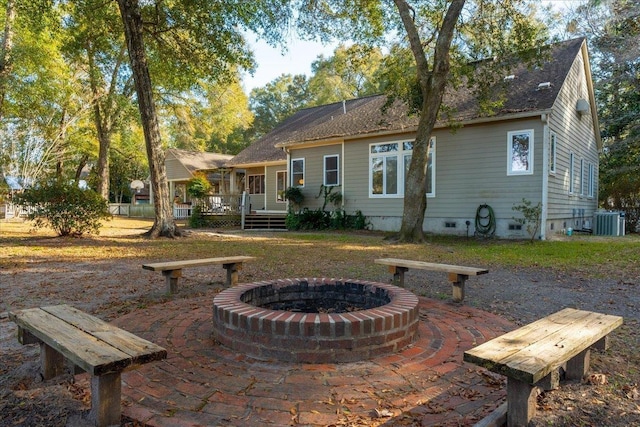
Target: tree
{"points": [[442, 39], [352, 72], [96, 44], [276, 101], [194, 40]]}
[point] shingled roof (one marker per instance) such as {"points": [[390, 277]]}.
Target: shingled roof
{"points": [[199, 161], [365, 116]]}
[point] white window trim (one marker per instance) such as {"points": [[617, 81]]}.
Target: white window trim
{"points": [[553, 149], [572, 173], [324, 170], [401, 157], [285, 185], [432, 194], [304, 174], [592, 181], [583, 176], [510, 172]]}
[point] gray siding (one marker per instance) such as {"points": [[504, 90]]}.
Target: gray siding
{"points": [[575, 134], [314, 172], [471, 170], [272, 203], [257, 201], [176, 170]]}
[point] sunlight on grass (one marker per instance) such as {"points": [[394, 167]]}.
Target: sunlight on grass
{"points": [[339, 254]]}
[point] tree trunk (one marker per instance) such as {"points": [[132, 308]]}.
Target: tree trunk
{"points": [[103, 127], [164, 224], [432, 85], [5, 55]]}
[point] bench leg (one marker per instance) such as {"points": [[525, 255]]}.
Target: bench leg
{"points": [[578, 366], [521, 403], [105, 400], [457, 285], [51, 361], [232, 272], [398, 275], [172, 277], [602, 344]]}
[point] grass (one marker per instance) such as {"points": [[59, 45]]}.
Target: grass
{"points": [[591, 256], [343, 254]]}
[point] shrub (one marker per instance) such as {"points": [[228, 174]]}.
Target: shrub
{"points": [[197, 220], [198, 186], [295, 196], [531, 214], [65, 208]]}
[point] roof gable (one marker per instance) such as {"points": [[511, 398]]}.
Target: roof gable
{"points": [[195, 161]]}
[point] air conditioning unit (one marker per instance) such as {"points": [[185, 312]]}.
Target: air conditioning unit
{"points": [[608, 223]]}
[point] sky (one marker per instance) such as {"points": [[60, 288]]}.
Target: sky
{"points": [[272, 62]]}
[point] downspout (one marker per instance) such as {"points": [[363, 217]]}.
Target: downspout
{"points": [[545, 175]]}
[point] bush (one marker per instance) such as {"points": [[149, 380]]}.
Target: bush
{"points": [[322, 220], [198, 186], [65, 208], [295, 196], [197, 220]]}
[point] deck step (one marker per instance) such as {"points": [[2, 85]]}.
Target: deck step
{"points": [[265, 222]]}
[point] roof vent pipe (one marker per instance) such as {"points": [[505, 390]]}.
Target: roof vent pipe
{"points": [[344, 107]]}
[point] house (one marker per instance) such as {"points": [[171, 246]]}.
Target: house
{"points": [[541, 145], [182, 165]]}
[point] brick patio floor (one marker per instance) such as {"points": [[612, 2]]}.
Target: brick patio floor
{"points": [[202, 383]]}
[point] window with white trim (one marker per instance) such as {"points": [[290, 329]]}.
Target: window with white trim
{"points": [[583, 177], [389, 164], [331, 170], [553, 142], [297, 172], [572, 173], [520, 152], [592, 180], [431, 168], [281, 186], [255, 184]]}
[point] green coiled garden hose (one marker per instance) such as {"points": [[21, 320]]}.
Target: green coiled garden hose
{"points": [[485, 221]]}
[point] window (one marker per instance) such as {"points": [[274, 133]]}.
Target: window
{"points": [[256, 184], [281, 185], [571, 173], [553, 141], [385, 160], [331, 170], [520, 152], [297, 173], [583, 177], [431, 170], [592, 180]]}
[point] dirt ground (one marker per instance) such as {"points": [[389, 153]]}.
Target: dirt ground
{"points": [[608, 398]]}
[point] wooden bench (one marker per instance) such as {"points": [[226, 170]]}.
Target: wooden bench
{"points": [[531, 357], [94, 346], [457, 274], [172, 270]]}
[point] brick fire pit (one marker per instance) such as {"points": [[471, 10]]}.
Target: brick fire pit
{"points": [[315, 320]]}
